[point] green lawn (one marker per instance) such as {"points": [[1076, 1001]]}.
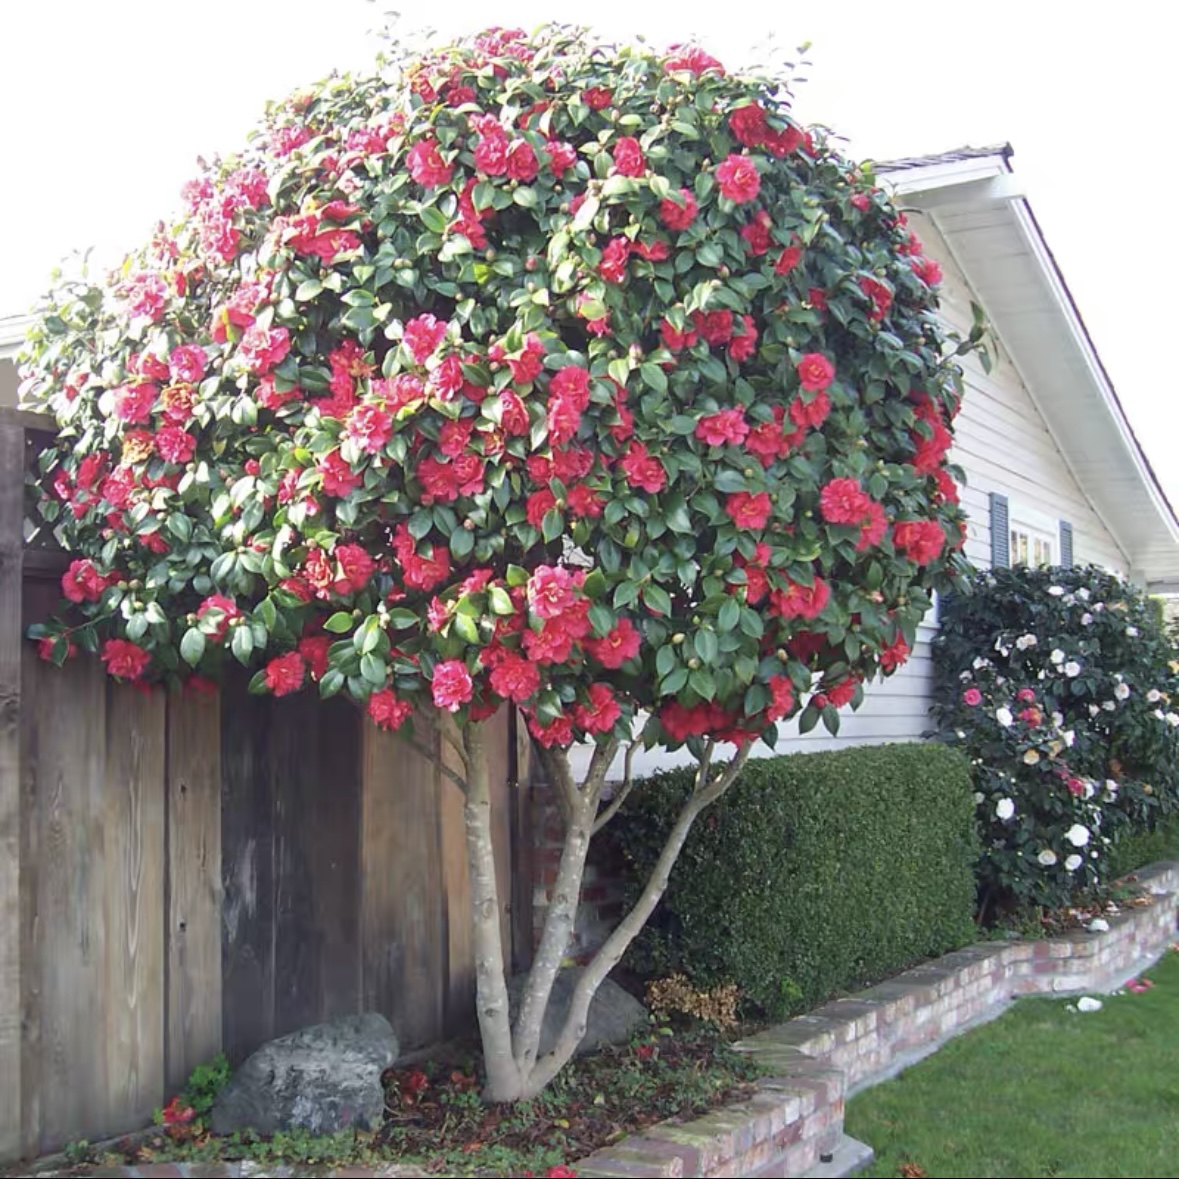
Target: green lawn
{"points": [[1042, 1091]]}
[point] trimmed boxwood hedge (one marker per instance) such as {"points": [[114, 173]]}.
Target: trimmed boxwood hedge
{"points": [[817, 873]]}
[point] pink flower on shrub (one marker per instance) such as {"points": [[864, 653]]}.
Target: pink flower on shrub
{"points": [[426, 164], [451, 686], [972, 696], [726, 426], [738, 179], [628, 157], [679, 212], [125, 660], [616, 647], [387, 711], [815, 372], [285, 673]]}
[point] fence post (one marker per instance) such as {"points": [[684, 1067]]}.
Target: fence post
{"points": [[12, 470]]}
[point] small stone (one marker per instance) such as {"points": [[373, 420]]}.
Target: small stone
{"points": [[1088, 1003], [321, 1079]]}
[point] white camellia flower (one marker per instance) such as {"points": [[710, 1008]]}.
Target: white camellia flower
{"points": [[1160, 714], [1083, 594], [1172, 719], [1088, 790], [1072, 668], [1068, 736], [979, 798], [1005, 809], [1057, 655], [1098, 924], [1025, 641], [1111, 788], [965, 677], [1109, 705], [1046, 858], [1058, 719], [1031, 758], [979, 663], [1122, 691], [1093, 710], [1132, 632], [1098, 607], [1057, 591], [1154, 695], [1073, 862], [1086, 619], [1078, 835], [1004, 717]]}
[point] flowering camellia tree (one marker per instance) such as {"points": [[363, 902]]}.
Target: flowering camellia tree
{"points": [[1061, 685], [528, 370]]}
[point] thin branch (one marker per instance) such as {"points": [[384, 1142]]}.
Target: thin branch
{"points": [[623, 790], [431, 755], [727, 776], [449, 731], [595, 777]]}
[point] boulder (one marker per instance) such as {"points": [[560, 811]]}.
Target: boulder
{"points": [[615, 1015], [320, 1079]]}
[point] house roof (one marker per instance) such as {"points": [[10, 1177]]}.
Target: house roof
{"points": [[975, 202]]}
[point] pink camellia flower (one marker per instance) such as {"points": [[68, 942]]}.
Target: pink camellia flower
{"points": [[369, 428], [285, 673], [521, 163], [386, 711], [727, 426], [600, 712], [133, 403], [617, 647], [972, 696], [426, 164], [679, 213], [514, 677], [552, 591], [423, 335], [82, 582], [187, 363], [749, 511], [264, 348], [738, 179], [175, 444], [451, 686], [920, 540], [226, 610], [628, 157], [843, 501]]}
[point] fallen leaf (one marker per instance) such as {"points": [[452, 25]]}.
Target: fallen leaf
{"points": [[912, 1171]]}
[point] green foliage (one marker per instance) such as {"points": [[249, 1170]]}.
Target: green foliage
{"points": [[1135, 847], [816, 873], [204, 1083], [1060, 685], [460, 318]]}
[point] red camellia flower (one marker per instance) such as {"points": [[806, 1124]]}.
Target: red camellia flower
{"points": [[841, 693], [843, 501], [451, 686], [874, 527], [521, 163], [387, 711], [727, 426], [426, 164], [674, 339], [715, 327], [423, 335], [285, 673], [815, 372], [757, 234], [920, 540], [552, 590], [600, 713], [314, 648], [748, 124], [618, 645], [738, 179], [264, 348], [357, 568], [597, 98], [678, 212], [800, 601], [614, 259], [82, 582], [749, 511], [744, 346], [125, 660], [514, 677], [879, 294], [928, 270], [895, 655], [174, 444], [788, 259], [643, 470], [562, 156], [693, 59], [781, 697], [628, 157]]}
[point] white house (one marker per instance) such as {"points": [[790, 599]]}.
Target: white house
{"points": [[1054, 472]]}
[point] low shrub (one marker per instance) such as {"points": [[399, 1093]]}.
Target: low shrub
{"points": [[817, 873], [1060, 685], [1135, 848]]}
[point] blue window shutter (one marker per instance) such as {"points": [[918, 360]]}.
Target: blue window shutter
{"points": [[1000, 532], [1066, 543]]}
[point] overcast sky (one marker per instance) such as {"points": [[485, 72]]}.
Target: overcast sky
{"points": [[107, 103]]}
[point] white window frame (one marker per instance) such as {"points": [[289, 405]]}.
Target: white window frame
{"points": [[1033, 538]]}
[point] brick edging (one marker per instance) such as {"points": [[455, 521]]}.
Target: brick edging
{"points": [[820, 1058]]}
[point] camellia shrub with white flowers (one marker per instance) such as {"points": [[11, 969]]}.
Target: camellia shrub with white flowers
{"points": [[526, 369], [1062, 686]]}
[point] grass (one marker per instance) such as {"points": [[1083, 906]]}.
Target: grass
{"points": [[1042, 1091]]}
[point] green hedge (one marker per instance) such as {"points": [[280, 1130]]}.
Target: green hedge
{"points": [[817, 873]]}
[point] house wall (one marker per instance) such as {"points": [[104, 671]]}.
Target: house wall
{"points": [[8, 381], [1003, 445]]}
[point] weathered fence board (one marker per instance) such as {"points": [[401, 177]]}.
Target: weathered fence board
{"points": [[194, 883]]}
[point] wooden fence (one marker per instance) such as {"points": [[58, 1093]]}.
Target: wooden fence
{"points": [[182, 873]]}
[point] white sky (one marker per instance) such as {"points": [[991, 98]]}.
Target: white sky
{"points": [[107, 103]]}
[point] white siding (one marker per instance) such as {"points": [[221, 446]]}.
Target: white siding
{"points": [[1003, 445]]}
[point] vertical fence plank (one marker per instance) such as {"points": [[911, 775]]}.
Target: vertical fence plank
{"points": [[65, 751], [314, 760], [247, 872], [193, 996], [11, 524], [134, 886], [456, 893], [401, 905]]}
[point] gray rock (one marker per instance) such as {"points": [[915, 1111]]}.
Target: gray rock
{"points": [[615, 1015], [320, 1079]]}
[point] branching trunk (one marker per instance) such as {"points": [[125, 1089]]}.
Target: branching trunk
{"points": [[510, 1053]]}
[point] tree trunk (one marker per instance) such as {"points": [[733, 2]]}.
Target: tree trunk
{"points": [[504, 1081]]}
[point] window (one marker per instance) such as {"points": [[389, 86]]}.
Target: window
{"points": [[1033, 541]]}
